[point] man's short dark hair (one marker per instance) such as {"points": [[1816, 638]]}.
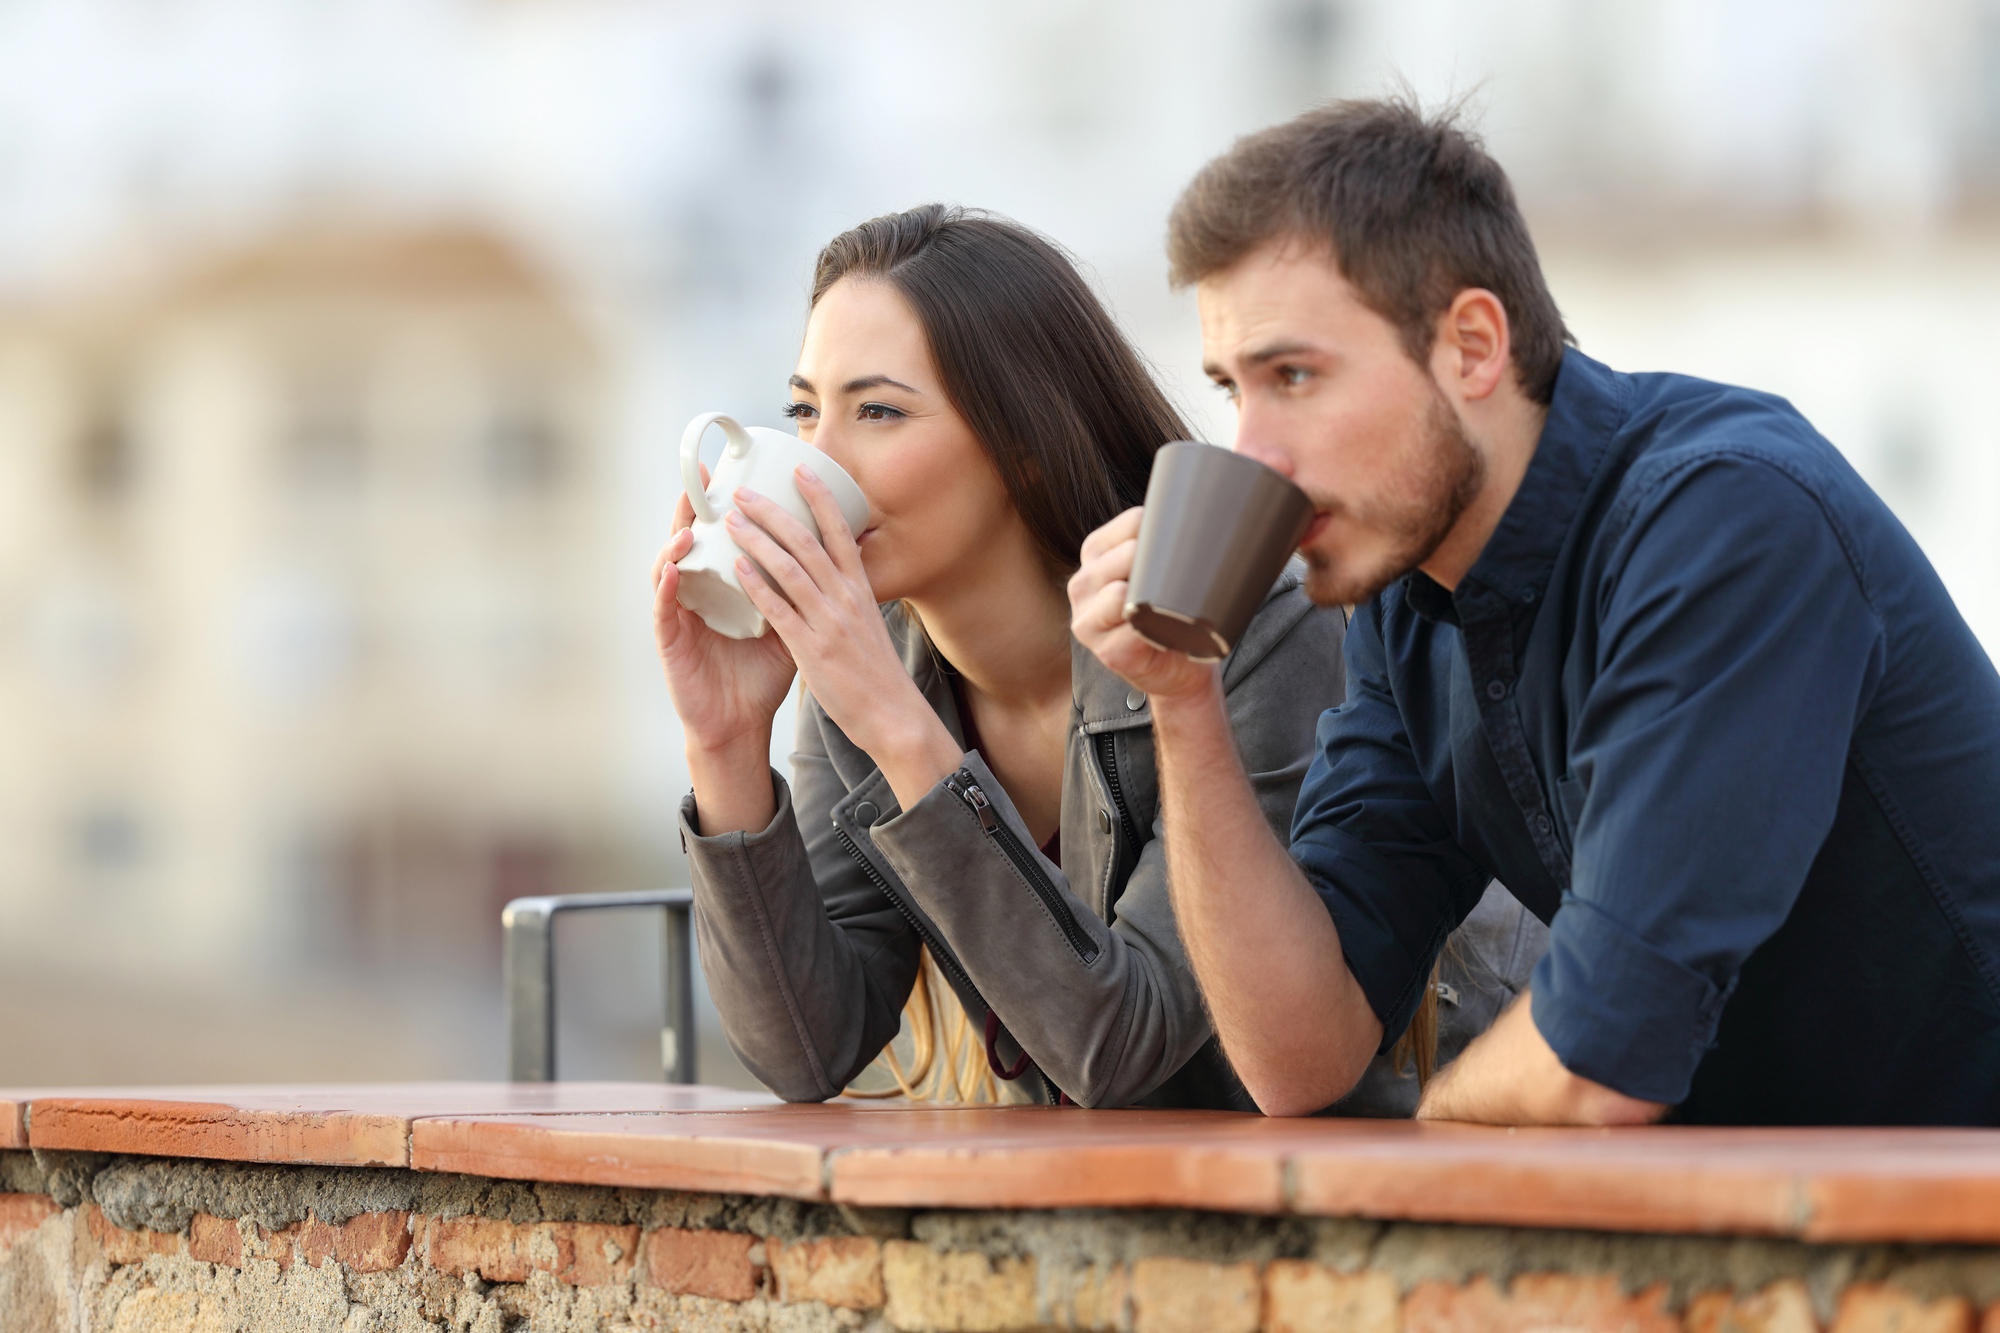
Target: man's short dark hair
{"points": [[1414, 209]]}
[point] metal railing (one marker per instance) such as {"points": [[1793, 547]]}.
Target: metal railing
{"points": [[528, 926]]}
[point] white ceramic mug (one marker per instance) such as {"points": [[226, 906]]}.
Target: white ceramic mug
{"points": [[762, 460]]}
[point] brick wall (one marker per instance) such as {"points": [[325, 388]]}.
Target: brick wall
{"points": [[138, 1245]]}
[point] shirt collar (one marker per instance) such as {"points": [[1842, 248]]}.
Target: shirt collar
{"points": [[1588, 408]]}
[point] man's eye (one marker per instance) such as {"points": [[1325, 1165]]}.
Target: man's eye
{"points": [[799, 411], [1294, 375], [878, 412], [1227, 388]]}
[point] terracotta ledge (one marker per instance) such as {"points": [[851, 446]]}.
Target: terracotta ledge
{"points": [[1813, 1184], [352, 1124]]}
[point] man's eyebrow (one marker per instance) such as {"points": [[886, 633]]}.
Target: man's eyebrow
{"points": [[1273, 351]]}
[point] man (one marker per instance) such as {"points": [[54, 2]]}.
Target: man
{"points": [[1643, 648]]}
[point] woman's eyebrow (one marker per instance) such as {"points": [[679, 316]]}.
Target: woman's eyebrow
{"points": [[874, 382], [801, 382]]}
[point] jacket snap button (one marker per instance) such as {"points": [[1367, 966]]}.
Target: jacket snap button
{"points": [[1496, 689], [1104, 821], [1135, 700], [866, 813], [1542, 822]]}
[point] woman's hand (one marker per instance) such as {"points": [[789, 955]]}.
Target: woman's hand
{"points": [[725, 690], [1097, 617], [824, 610]]}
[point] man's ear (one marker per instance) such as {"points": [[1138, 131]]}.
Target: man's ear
{"points": [[1473, 352]]}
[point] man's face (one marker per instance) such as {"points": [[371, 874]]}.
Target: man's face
{"points": [[1326, 394]]}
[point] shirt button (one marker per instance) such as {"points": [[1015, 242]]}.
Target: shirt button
{"points": [[1542, 822], [1135, 701], [1496, 689], [866, 813], [1104, 821]]}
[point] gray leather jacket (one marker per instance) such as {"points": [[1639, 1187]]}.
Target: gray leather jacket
{"points": [[810, 929]]}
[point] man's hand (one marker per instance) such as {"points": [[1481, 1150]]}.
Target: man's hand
{"points": [[1097, 616], [1510, 1076]]}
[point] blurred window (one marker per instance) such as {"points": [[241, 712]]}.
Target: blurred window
{"points": [[521, 452], [104, 450], [107, 842], [326, 441]]}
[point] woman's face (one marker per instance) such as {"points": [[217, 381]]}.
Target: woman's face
{"points": [[867, 393]]}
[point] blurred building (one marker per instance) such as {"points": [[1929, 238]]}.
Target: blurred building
{"points": [[288, 547]]}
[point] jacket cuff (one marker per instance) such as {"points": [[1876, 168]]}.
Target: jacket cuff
{"points": [[713, 854], [1619, 1012]]}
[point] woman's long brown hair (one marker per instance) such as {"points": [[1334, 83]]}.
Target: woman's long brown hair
{"points": [[1030, 358], [1071, 417]]}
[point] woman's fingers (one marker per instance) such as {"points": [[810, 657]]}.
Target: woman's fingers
{"points": [[794, 537], [667, 609], [779, 566], [676, 548], [835, 535], [774, 608]]}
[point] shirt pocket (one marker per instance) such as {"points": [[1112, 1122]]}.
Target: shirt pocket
{"points": [[1570, 792]]}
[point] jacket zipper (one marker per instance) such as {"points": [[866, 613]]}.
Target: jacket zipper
{"points": [[1107, 762], [945, 958], [965, 787]]}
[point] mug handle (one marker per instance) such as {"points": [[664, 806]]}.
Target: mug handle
{"points": [[739, 445]]}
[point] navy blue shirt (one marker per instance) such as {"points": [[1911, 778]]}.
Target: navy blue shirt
{"points": [[1705, 708]]}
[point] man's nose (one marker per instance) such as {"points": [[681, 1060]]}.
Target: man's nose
{"points": [[1256, 437]]}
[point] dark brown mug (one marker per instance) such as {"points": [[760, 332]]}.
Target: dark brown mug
{"points": [[1217, 530]]}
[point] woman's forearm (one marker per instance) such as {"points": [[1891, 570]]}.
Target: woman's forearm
{"points": [[915, 754], [732, 783]]}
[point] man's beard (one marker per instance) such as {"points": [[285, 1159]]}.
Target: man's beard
{"points": [[1424, 502]]}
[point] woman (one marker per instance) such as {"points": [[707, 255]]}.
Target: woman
{"points": [[968, 783]]}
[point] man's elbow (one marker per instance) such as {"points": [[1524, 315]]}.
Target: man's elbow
{"points": [[1596, 1105], [1301, 1089]]}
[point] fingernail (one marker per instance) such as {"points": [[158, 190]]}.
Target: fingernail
{"points": [[807, 473], [734, 520], [745, 493], [743, 565]]}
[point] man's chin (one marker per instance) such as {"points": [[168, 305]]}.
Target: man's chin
{"points": [[1327, 585]]}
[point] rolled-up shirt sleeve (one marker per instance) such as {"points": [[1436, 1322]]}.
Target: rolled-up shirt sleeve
{"points": [[1373, 843], [1706, 762]]}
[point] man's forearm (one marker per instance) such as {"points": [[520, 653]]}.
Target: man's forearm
{"points": [[1292, 1019], [1511, 1076]]}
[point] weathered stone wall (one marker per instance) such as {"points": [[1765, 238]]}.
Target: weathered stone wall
{"points": [[135, 1245]]}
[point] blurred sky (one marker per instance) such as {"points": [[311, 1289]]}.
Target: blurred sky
{"points": [[1796, 194]]}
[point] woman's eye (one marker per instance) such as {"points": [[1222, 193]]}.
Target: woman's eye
{"points": [[878, 412], [800, 411], [1227, 388]]}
